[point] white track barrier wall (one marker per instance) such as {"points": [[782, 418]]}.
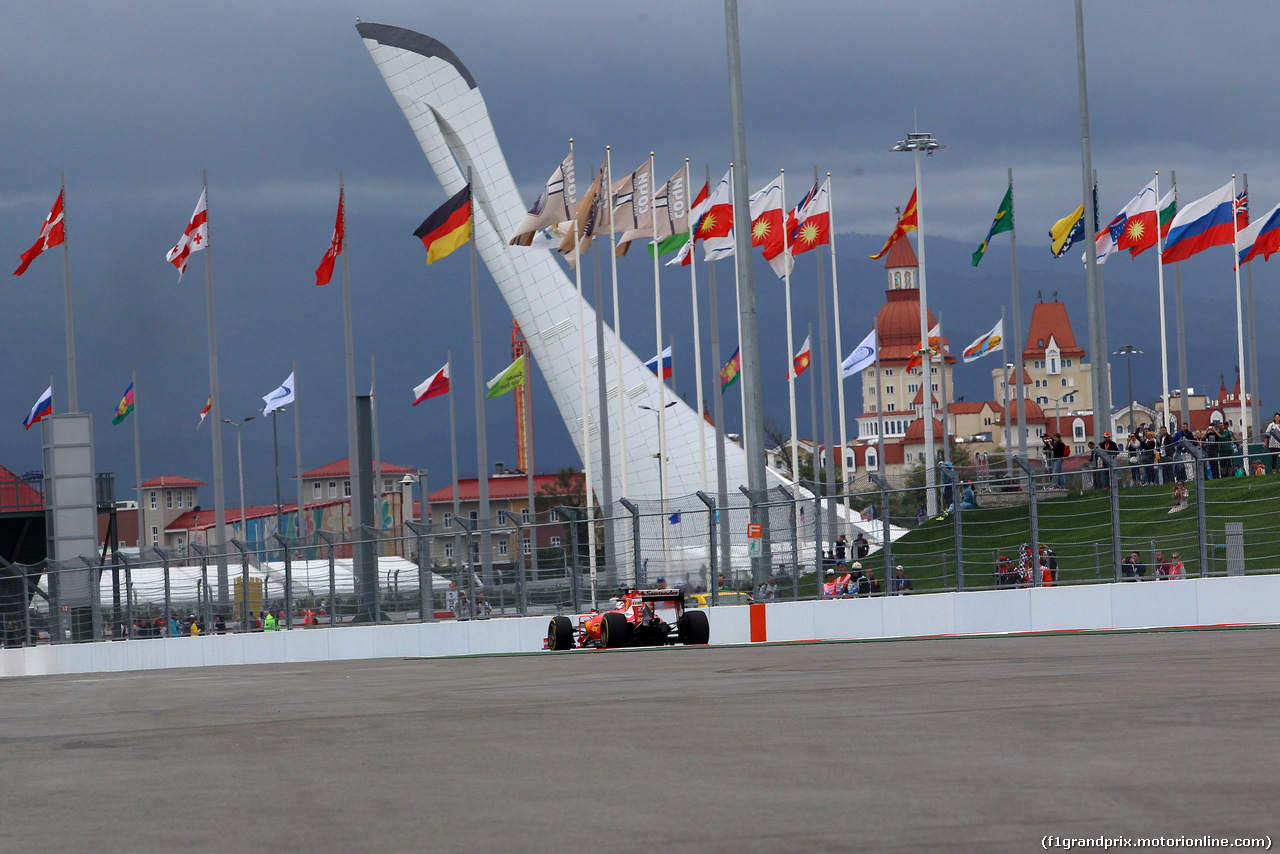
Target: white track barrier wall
{"points": [[1244, 600]]}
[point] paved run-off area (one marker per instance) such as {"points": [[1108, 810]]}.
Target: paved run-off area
{"points": [[969, 743]]}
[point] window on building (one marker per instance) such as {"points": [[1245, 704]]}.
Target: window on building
{"points": [[386, 485], [526, 546], [191, 498], [474, 516], [316, 491], [503, 545], [346, 489], [871, 460], [933, 370], [555, 542], [154, 505], [1066, 363], [888, 372], [448, 519], [934, 387], [986, 421], [897, 280], [168, 499], [524, 515], [912, 388], [155, 535], [889, 407], [888, 389], [333, 489], [1064, 381], [448, 549], [906, 280]]}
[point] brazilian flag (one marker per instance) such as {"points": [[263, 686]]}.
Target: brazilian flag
{"points": [[1002, 222]]}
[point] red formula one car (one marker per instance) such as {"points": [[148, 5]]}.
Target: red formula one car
{"points": [[644, 618]]}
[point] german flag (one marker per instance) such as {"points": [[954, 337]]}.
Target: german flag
{"points": [[448, 227]]}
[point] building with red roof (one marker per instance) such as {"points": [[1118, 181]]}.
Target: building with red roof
{"points": [[332, 482], [1054, 367]]}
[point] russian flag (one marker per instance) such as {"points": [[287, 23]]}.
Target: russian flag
{"points": [[43, 407], [1260, 238], [652, 364], [1208, 221]]}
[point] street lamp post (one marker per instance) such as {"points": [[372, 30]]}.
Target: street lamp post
{"points": [[1129, 351], [275, 444], [916, 143], [244, 523]]}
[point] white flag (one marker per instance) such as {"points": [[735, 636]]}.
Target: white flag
{"points": [[280, 398], [862, 357]]}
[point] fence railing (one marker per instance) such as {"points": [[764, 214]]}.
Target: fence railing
{"points": [[1008, 524]]}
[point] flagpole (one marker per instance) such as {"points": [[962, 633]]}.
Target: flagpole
{"points": [[1184, 404], [300, 528], [1235, 250], [930, 465], [1004, 382], [72, 400], [377, 451], [662, 383], [528, 478], [717, 402], [1255, 405], [880, 466], [453, 456], [697, 338], [602, 401], [482, 447], [1164, 334], [617, 336], [946, 427], [352, 450], [813, 400], [835, 308], [824, 365], [219, 485], [137, 456], [737, 295], [1017, 334], [791, 351], [583, 402]]}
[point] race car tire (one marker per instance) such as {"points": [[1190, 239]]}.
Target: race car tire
{"points": [[560, 634], [614, 630], [694, 628]]}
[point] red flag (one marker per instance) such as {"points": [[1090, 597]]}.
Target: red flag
{"points": [[434, 386], [934, 348], [802, 359], [53, 233], [325, 271], [810, 223], [907, 222], [195, 238]]}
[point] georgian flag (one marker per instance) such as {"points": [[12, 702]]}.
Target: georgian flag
{"points": [[195, 238], [52, 234]]}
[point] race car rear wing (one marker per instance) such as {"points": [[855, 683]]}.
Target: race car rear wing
{"points": [[661, 595]]}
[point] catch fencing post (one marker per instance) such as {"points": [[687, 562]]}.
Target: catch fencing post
{"points": [[640, 581], [168, 602], [1029, 471], [755, 517], [795, 533], [886, 542], [244, 584], [288, 583], [426, 594], [711, 528], [95, 596], [1202, 522], [957, 499], [1113, 476], [128, 591], [333, 577], [521, 601], [570, 515]]}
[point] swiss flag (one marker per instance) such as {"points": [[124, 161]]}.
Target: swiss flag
{"points": [[809, 225], [195, 238], [434, 386], [52, 234], [325, 271]]}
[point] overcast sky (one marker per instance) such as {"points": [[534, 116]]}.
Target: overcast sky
{"points": [[132, 99]]}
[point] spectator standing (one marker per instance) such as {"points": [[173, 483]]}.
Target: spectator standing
{"points": [[1086, 469], [483, 609], [1133, 459], [1162, 566], [1176, 567], [1167, 450], [842, 548], [768, 591], [901, 584], [1058, 449], [1272, 436], [269, 623], [1133, 568], [1226, 452], [1112, 450], [1147, 444], [451, 598], [862, 548]]}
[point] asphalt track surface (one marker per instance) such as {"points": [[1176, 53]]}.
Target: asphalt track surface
{"points": [[979, 744]]}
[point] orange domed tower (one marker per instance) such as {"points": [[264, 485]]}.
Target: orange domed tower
{"points": [[898, 326]]}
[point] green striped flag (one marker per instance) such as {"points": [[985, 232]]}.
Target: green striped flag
{"points": [[670, 244], [1003, 222]]}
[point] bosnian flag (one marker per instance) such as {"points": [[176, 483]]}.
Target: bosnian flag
{"points": [[1208, 221], [766, 227], [988, 343], [434, 386], [51, 234], [1260, 238], [195, 238], [810, 223], [43, 407], [803, 358], [652, 364]]}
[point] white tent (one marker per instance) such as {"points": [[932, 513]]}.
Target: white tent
{"points": [[311, 577], [147, 583]]}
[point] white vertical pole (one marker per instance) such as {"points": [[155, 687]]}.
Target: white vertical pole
{"points": [[1164, 335], [791, 350], [301, 526], [137, 459], [72, 400], [835, 305], [617, 335], [662, 384], [737, 296], [1235, 254], [697, 340], [586, 431], [930, 473]]}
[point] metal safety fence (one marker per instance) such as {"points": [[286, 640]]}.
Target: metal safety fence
{"points": [[1007, 523]]}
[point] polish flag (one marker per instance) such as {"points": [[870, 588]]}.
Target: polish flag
{"points": [[434, 386], [195, 238], [325, 271], [53, 233]]}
